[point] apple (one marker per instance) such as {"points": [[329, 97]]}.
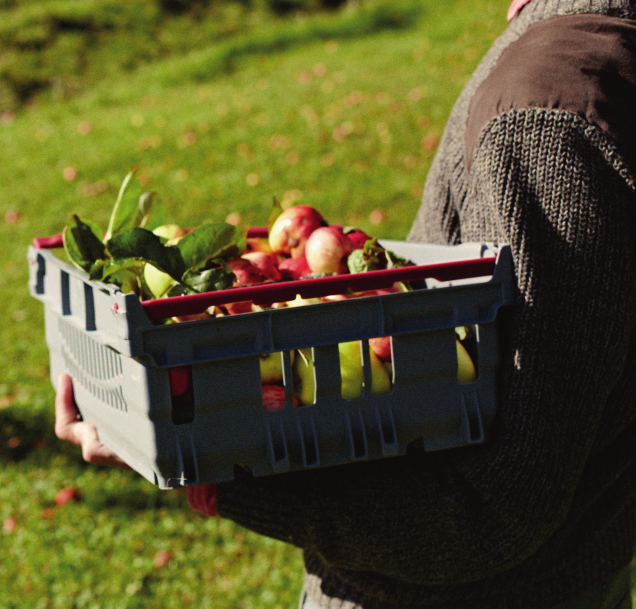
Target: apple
{"points": [[290, 231], [466, 372], [265, 262], [246, 272], [236, 308], [327, 250], [180, 379], [299, 301], [303, 376], [178, 319], [258, 244], [352, 374], [294, 268], [358, 237], [272, 367], [157, 281], [171, 232], [381, 346], [274, 397]]}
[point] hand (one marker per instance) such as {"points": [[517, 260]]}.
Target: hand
{"points": [[70, 428]]}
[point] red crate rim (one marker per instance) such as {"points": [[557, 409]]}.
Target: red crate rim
{"points": [[284, 291]]}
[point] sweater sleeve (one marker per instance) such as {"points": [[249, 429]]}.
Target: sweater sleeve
{"points": [[549, 184]]}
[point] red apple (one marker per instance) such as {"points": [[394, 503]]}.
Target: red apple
{"points": [[180, 379], [381, 346], [246, 272], [236, 308], [274, 397], [265, 262], [294, 268], [358, 237], [327, 250], [292, 228]]}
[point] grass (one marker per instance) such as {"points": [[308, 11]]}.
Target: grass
{"points": [[340, 111]]}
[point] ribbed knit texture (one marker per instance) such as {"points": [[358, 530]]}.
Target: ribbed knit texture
{"points": [[547, 508]]}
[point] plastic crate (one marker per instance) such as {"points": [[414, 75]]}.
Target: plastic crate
{"points": [[121, 364]]}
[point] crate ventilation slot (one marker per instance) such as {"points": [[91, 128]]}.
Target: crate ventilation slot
{"points": [[93, 366]]}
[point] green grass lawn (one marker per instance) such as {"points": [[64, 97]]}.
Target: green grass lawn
{"points": [[340, 111]]}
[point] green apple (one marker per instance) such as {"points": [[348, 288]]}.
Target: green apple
{"points": [[352, 373], [171, 232], [158, 281], [272, 367], [303, 375], [466, 372]]}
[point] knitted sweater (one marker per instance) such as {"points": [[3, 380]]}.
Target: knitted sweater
{"points": [[537, 153]]}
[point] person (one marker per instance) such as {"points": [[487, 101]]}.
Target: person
{"points": [[539, 152]]}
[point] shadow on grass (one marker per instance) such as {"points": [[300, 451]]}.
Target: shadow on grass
{"points": [[30, 437], [22, 433]]}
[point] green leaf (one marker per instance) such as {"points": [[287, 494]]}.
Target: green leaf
{"points": [[126, 210], [124, 273], [143, 244], [356, 262], [371, 257], [83, 243], [219, 277], [134, 208], [126, 266], [396, 261], [277, 210], [96, 272], [210, 242], [153, 211]]}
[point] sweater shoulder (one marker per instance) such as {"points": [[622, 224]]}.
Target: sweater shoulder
{"points": [[582, 64]]}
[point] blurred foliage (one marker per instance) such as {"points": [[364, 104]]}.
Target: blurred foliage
{"points": [[61, 47]]}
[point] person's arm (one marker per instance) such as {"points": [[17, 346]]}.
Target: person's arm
{"points": [[463, 515]]}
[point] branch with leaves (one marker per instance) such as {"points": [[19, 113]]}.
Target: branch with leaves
{"points": [[196, 263]]}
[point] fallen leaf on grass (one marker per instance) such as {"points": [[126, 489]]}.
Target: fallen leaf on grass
{"points": [[9, 524], [162, 559], [67, 494]]}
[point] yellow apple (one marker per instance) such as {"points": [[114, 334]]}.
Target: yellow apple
{"points": [[301, 302], [272, 367], [303, 375], [466, 372], [352, 373]]}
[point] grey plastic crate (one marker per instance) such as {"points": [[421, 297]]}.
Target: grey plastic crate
{"points": [[120, 362]]}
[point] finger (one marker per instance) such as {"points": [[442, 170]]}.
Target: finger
{"points": [[66, 412], [96, 453]]}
